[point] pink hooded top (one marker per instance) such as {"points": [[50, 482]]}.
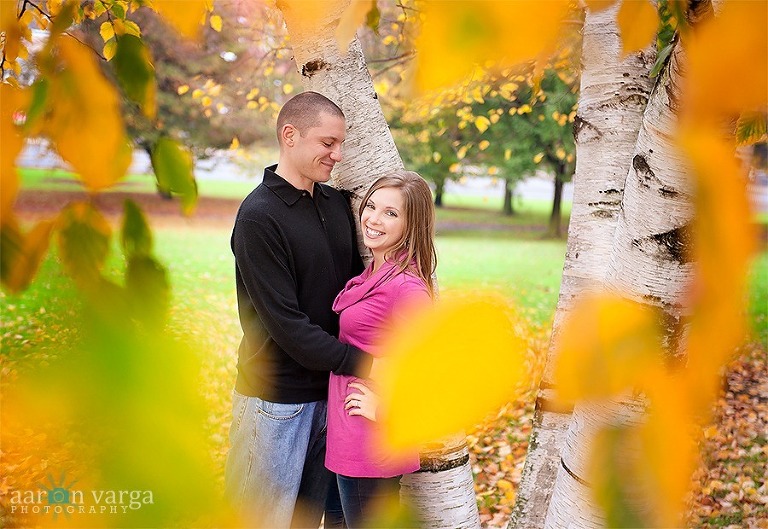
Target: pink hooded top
{"points": [[366, 306]]}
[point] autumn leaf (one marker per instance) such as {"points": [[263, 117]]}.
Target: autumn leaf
{"points": [[483, 32], [13, 105], [727, 70], [184, 15], [429, 362], [216, 23], [607, 346], [84, 120], [352, 18], [638, 22]]}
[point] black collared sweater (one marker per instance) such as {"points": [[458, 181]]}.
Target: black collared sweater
{"points": [[294, 252]]}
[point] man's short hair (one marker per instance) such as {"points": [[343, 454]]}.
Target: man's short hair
{"points": [[303, 111]]}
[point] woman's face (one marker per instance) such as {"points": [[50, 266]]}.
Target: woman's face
{"points": [[383, 220]]}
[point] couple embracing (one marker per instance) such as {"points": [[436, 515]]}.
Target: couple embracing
{"points": [[312, 318]]}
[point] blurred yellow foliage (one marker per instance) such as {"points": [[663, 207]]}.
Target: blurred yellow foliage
{"points": [[608, 346], [484, 31], [449, 367], [638, 23], [84, 120], [185, 18], [13, 105]]}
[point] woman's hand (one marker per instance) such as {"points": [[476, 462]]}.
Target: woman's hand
{"points": [[364, 403]]}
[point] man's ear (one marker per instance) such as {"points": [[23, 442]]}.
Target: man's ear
{"points": [[287, 134]]}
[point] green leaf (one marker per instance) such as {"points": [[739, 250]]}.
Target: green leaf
{"points": [[373, 17], [135, 73], [83, 241], [21, 255], [38, 104], [751, 128], [118, 10], [136, 235], [173, 168], [146, 283], [661, 59]]}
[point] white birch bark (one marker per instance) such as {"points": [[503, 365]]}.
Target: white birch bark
{"points": [[649, 265], [614, 93], [443, 490]]}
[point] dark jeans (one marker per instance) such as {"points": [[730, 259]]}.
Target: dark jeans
{"points": [[360, 495]]}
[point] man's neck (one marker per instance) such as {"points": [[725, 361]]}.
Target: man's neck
{"points": [[293, 178]]}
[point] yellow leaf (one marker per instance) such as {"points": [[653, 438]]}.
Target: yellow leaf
{"points": [[482, 123], [235, 144], [723, 246], [507, 154], [253, 93], [84, 120], [107, 31], [436, 156], [252, 104], [638, 22], [287, 88], [462, 152], [607, 345], [484, 145], [667, 449], [480, 32], [13, 108], [183, 89], [538, 157], [352, 18], [454, 168], [206, 101], [186, 19], [420, 386], [197, 93], [729, 46], [109, 50], [493, 170], [216, 22]]}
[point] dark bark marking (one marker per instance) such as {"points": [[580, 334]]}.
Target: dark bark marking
{"points": [[668, 192], [603, 214], [644, 172], [672, 244], [584, 131], [606, 203], [611, 191], [433, 464], [312, 67]]}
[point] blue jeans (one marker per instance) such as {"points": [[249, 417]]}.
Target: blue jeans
{"points": [[359, 495], [275, 474]]}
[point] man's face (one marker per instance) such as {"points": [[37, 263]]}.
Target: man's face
{"points": [[316, 150]]}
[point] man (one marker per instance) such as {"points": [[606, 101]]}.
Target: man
{"points": [[295, 248]]}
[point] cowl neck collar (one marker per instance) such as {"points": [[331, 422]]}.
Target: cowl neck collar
{"points": [[359, 287]]}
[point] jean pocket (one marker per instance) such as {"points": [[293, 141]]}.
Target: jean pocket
{"points": [[278, 411]]}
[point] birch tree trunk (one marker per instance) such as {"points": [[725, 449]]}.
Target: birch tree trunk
{"points": [[443, 489], [613, 96], [649, 265]]}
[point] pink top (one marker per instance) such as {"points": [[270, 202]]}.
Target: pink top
{"points": [[366, 306]]}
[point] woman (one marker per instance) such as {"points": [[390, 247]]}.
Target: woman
{"points": [[397, 220]]}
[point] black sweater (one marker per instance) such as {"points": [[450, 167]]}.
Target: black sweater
{"points": [[294, 252]]}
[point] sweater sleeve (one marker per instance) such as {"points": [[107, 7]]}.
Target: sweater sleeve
{"points": [[265, 269]]}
